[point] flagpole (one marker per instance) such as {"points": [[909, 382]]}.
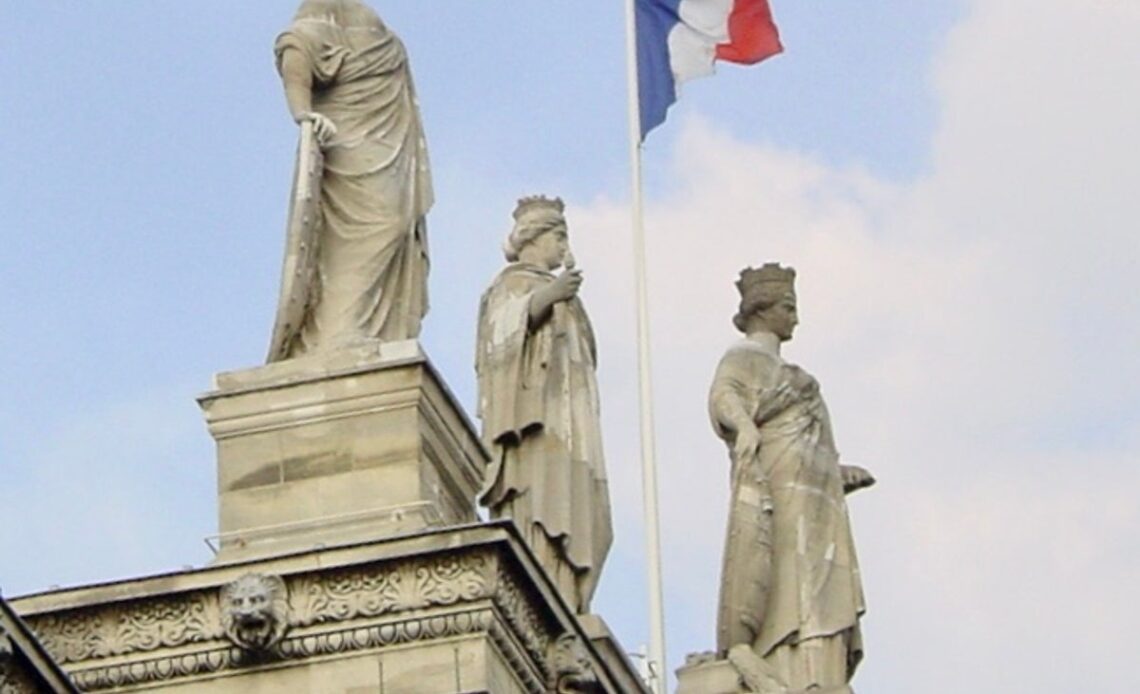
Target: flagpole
{"points": [[657, 664]]}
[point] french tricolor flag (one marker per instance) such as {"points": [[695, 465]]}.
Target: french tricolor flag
{"points": [[679, 40]]}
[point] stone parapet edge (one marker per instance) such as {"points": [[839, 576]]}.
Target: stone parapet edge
{"points": [[476, 591]]}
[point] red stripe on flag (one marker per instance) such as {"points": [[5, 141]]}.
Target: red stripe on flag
{"points": [[753, 35]]}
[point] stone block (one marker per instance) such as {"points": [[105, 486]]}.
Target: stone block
{"points": [[353, 446]]}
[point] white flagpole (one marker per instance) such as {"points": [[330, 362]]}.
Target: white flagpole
{"points": [[657, 663]]}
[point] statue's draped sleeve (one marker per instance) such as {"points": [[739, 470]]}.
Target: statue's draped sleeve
{"points": [[510, 359], [747, 387], [318, 42]]}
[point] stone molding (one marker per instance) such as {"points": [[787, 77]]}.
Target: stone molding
{"points": [[298, 646], [474, 590]]}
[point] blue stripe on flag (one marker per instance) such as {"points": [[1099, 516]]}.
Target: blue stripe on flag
{"points": [[656, 88]]}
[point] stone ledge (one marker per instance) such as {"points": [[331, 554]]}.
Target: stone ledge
{"points": [[368, 356], [476, 585]]}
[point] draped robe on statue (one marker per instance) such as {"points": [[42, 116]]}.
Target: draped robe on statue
{"points": [[372, 263], [538, 399], [809, 634]]}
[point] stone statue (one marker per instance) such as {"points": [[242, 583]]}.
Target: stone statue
{"points": [[790, 596], [255, 612], [356, 262], [538, 399]]}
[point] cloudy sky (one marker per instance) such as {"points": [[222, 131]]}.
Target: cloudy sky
{"points": [[955, 183]]}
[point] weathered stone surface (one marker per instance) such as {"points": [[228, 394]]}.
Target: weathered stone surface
{"points": [[791, 595], [354, 445], [705, 674], [459, 610], [356, 256], [538, 399]]}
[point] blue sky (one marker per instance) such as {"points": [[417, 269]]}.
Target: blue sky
{"points": [[951, 179]]}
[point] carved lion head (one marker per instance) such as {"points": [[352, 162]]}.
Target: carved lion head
{"points": [[571, 671], [255, 611]]}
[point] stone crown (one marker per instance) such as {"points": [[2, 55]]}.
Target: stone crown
{"points": [[538, 203], [751, 279]]}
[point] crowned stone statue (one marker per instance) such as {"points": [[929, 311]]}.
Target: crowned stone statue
{"points": [[538, 400], [356, 256], [790, 596]]}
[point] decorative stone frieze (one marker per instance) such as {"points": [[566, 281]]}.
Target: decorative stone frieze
{"points": [[272, 619], [375, 590], [523, 616], [140, 626]]}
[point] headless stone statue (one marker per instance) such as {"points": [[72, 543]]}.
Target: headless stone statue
{"points": [[791, 596], [538, 400], [356, 260]]}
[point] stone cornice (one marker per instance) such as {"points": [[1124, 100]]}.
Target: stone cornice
{"points": [[471, 581]]}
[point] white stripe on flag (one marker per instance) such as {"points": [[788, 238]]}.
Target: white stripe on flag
{"points": [[709, 17], [693, 42]]}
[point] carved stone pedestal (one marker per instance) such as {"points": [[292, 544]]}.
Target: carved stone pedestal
{"points": [[446, 611], [358, 445], [706, 674]]}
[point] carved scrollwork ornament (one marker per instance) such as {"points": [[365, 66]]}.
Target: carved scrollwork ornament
{"points": [[255, 612]]}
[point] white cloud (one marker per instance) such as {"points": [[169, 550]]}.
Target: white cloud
{"points": [[975, 333]]}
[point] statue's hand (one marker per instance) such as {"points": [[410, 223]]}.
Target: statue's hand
{"points": [[566, 285], [563, 288], [747, 444], [855, 478], [323, 127]]}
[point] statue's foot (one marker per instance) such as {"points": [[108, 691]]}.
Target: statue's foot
{"points": [[755, 674]]}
